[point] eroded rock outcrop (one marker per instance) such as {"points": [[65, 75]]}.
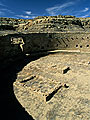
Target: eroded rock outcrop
{"points": [[46, 24]]}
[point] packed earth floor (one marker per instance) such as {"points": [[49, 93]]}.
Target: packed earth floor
{"points": [[56, 87]]}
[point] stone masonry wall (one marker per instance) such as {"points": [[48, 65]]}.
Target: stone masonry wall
{"points": [[56, 41], [16, 44]]}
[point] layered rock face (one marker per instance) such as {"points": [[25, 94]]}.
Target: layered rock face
{"points": [[56, 24], [46, 24]]}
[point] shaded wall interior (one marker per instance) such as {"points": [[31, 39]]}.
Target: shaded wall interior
{"points": [[18, 44]]}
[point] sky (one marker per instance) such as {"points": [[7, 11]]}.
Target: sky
{"points": [[29, 9]]}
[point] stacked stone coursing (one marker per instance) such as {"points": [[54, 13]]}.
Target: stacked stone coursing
{"points": [[46, 33]]}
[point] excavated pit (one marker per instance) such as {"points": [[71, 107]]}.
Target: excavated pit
{"points": [[55, 87], [50, 85]]}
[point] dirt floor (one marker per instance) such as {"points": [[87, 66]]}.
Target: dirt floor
{"points": [[56, 87]]}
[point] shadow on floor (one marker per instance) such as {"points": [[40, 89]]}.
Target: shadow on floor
{"points": [[11, 108]]}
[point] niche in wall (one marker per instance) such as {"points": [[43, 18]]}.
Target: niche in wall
{"points": [[76, 46], [87, 46], [80, 46]]}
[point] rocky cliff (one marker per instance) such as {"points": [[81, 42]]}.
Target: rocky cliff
{"points": [[46, 24]]}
